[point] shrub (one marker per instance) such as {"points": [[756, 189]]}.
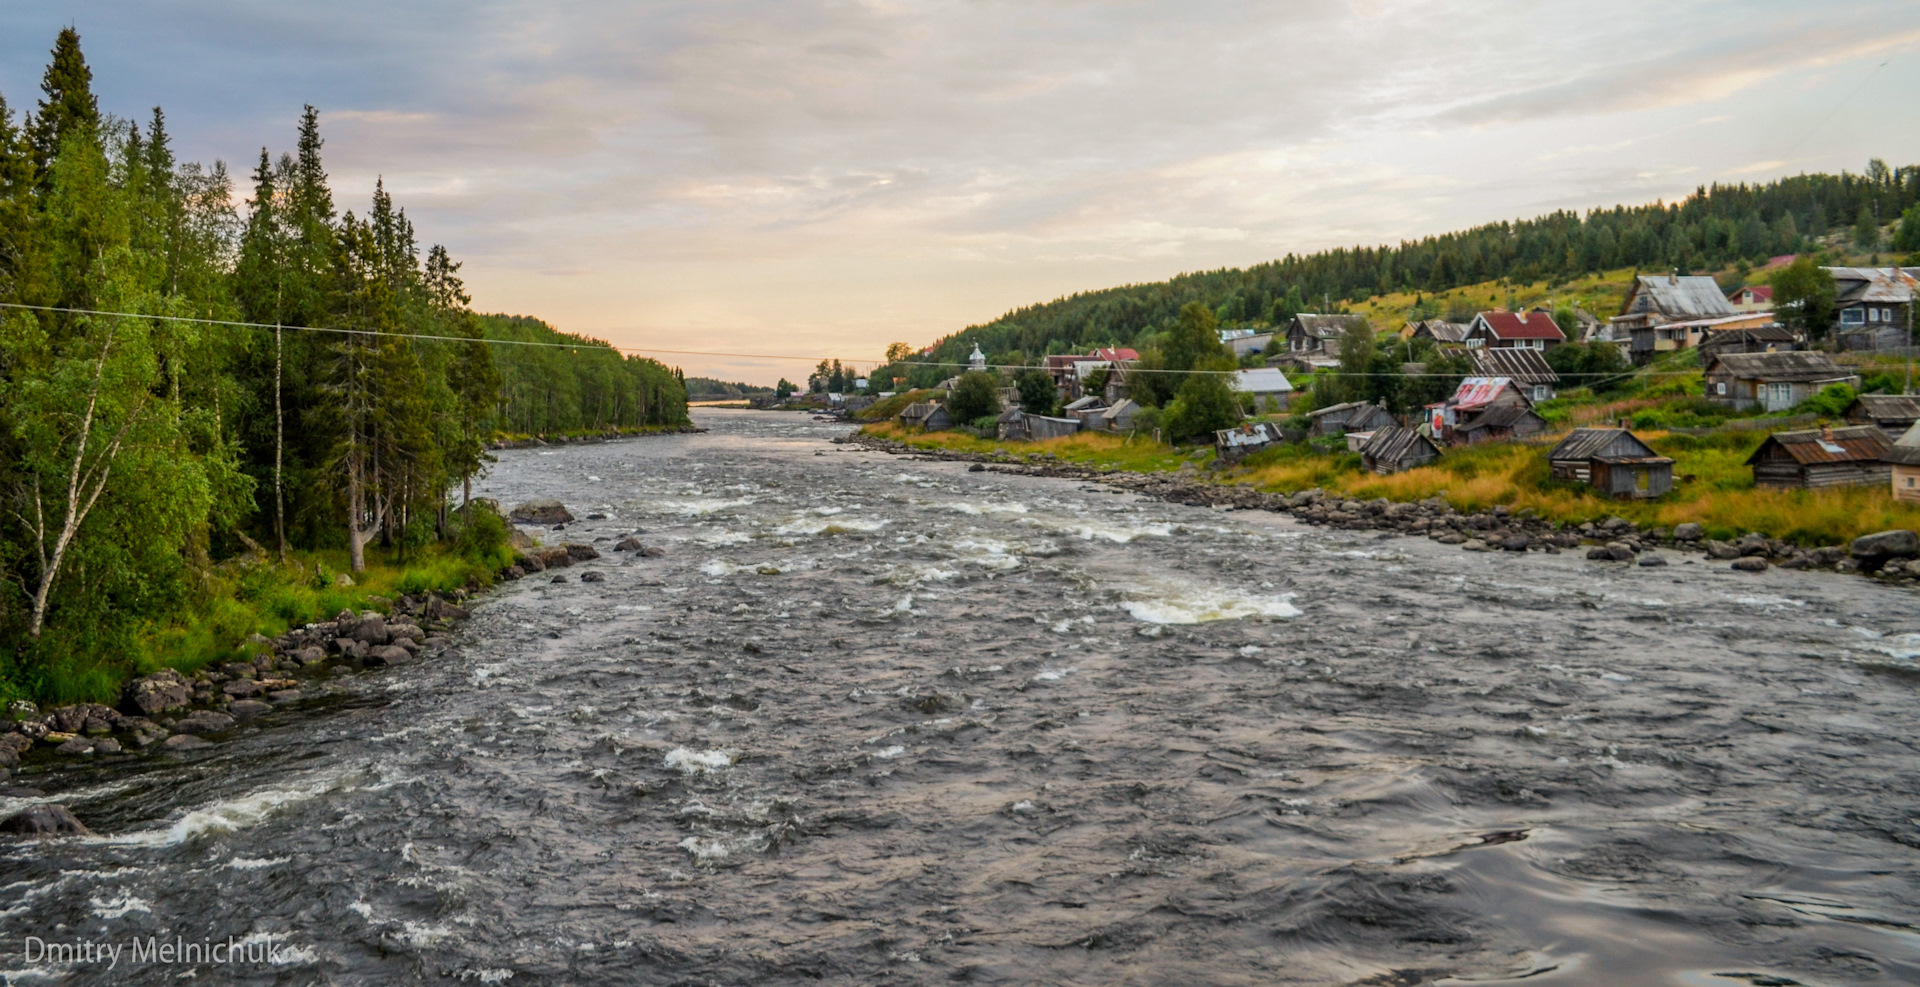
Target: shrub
{"points": [[975, 394]]}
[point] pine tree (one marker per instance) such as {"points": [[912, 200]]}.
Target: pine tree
{"points": [[68, 103]]}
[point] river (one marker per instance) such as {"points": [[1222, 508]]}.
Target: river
{"points": [[888, 721]]}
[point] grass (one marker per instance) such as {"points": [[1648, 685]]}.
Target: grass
{"points": [[887, 408], [237, 599]]}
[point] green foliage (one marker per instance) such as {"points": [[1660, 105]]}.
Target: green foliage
{"points": [[975, 395], [1804, 295], [784, 388], [1038, 396], [586, 387], [1866, 232], [1195, 338], [1148, 382], [1204, 404], [1597, 366], [1831, 402]]}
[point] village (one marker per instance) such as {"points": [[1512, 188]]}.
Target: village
{"points": [[1807, 407]]}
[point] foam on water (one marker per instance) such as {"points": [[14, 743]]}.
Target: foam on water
{"points": [[822, 526], [228, 815], [1188, 603], [699, 506], [691, 762]]}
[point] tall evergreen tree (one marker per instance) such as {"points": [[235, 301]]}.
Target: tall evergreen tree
{"points": [[67, 101]]}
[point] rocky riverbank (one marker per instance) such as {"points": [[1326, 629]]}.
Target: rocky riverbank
{"points": [[170, 711], [539, 441], [1890, 555]]}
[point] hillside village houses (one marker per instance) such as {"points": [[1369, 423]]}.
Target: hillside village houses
{"points": [[1873, 305], [1823, 457], [1773, 381], [1527, 368], [1522, 330], [1752, 298], [1446, 335], [1893, 414]]}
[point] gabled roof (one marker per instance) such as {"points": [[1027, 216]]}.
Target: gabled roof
{"points": [[1887, 406], [1440, 330], [1087, 403], [1265, 380], [1861, 443], [1330, 409], [1114, 353], [1799, 365], [1124, 406], [1325, 326], [1392, 443], [1503, 416], [1906, 452], [1586, 443], [1525, 366], [1521, 325], [1758, 292], [1882, 285], [1477, 391], [1695, 296]]}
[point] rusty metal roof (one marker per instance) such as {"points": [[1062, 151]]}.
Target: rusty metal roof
{"points": [[1885, 407], [1524, 365], [1797, 365], [1861, 443]]}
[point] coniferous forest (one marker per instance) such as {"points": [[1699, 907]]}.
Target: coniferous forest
{"points": [[142, 451]]}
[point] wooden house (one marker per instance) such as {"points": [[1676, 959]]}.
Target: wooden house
{"points": [[1654, 299], [1252, 343], [1774, 381], [1903, 460], [1041, 427], [1505, 423], [1759, 339], [1484, 409], [1231, 444], [1353, 416], [930, 415], [1527, 368], [1893, 414], [1269, 387], [1395, 449], [1753, 298], [1613, 461], [1119, 417], [1824, 457], [1446, 335], [1012, 425], [1872, 305], [1517, 330], [1307, 333]]}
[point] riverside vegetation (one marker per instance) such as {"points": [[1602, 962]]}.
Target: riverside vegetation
{"points": [[270, 437]]}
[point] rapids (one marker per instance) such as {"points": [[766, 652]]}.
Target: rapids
{"points": [[877, 720]]}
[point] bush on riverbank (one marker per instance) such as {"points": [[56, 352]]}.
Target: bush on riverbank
{"points": [[249, 596]]}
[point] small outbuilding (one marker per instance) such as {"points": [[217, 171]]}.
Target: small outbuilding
{"points": [[930, 415], [1893, 414], [1394, 449], [1824, 457], [1230, 444], [1499, 423], [1353, 416], [1119, 417], [1903, 459], [1013, 425], [1612, 460], [1270, 389]]}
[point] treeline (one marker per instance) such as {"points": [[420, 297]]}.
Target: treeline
{"points": [[137, 450], [1716, 227], [576, 383], [711, 388]]}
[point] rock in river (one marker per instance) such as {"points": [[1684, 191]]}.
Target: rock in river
{"points": [[543, 511], [45, 819], [202, 721]]}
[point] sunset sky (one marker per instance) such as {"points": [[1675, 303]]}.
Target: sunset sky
{"points": [[821, 179]]}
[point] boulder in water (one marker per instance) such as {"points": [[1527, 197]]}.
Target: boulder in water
{"points": [[542, 511], [629, 544], [202, 721], [45, 819]]}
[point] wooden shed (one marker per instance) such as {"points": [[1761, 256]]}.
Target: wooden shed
{"points": [[1825, 457], [1498, 423], [1230, 444], [1613, 461], [1394, 449], [1890, 413], [1353, 416], [1903, 458], [1041, 427], [929, 415]]}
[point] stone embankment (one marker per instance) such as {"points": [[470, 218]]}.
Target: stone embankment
{"points": [[1888, 555]]}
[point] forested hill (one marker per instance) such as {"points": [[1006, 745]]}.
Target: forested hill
{"points": [[576, 383], [1716, 227]]}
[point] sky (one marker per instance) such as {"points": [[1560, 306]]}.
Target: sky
{"points": [[820, 179]]}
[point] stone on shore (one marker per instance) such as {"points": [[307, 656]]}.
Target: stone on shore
{"points": [[541, 511], [387, 654], [1650, 560], [247, 709], [1880, 546], [183, 742], [159, 692], [203, 721], [1689, 531], [629, 544], [1751, 563]]}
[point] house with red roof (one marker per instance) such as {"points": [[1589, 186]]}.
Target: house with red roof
{"points": [[1521, 330], [1752, 298]]}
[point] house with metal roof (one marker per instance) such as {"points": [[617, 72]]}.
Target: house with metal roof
{"points": [[1522, 330], [1903, 461], [1613, 461], [1484, 409], [1394, 449], [1873, 305], [1774, 381], [1752, 298], [1447, 335], [1773, 338], [1119, 417], [1823, 457], [1656, 298], [1352, 416], [1893, 414], [1269, 387], [930, 415], [1308, 333], [1230, 444], [1525, 367]]}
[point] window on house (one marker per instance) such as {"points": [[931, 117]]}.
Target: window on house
{"points": [[1720, 387], [1852, 316]]}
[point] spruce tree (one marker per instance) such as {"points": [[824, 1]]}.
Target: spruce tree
{"points": [[67, 104]]}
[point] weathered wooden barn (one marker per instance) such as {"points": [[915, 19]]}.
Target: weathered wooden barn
{"points": [[1893, 414], [1903, 459], [930, 415], [1231, 444], [1353, 416], [1119, 417], [1395, 449], [1613, 461], [1824, 457], [1774, 381], [1500, 423]]}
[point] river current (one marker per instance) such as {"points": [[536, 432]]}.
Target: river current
{"points": [[886, 721]]}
